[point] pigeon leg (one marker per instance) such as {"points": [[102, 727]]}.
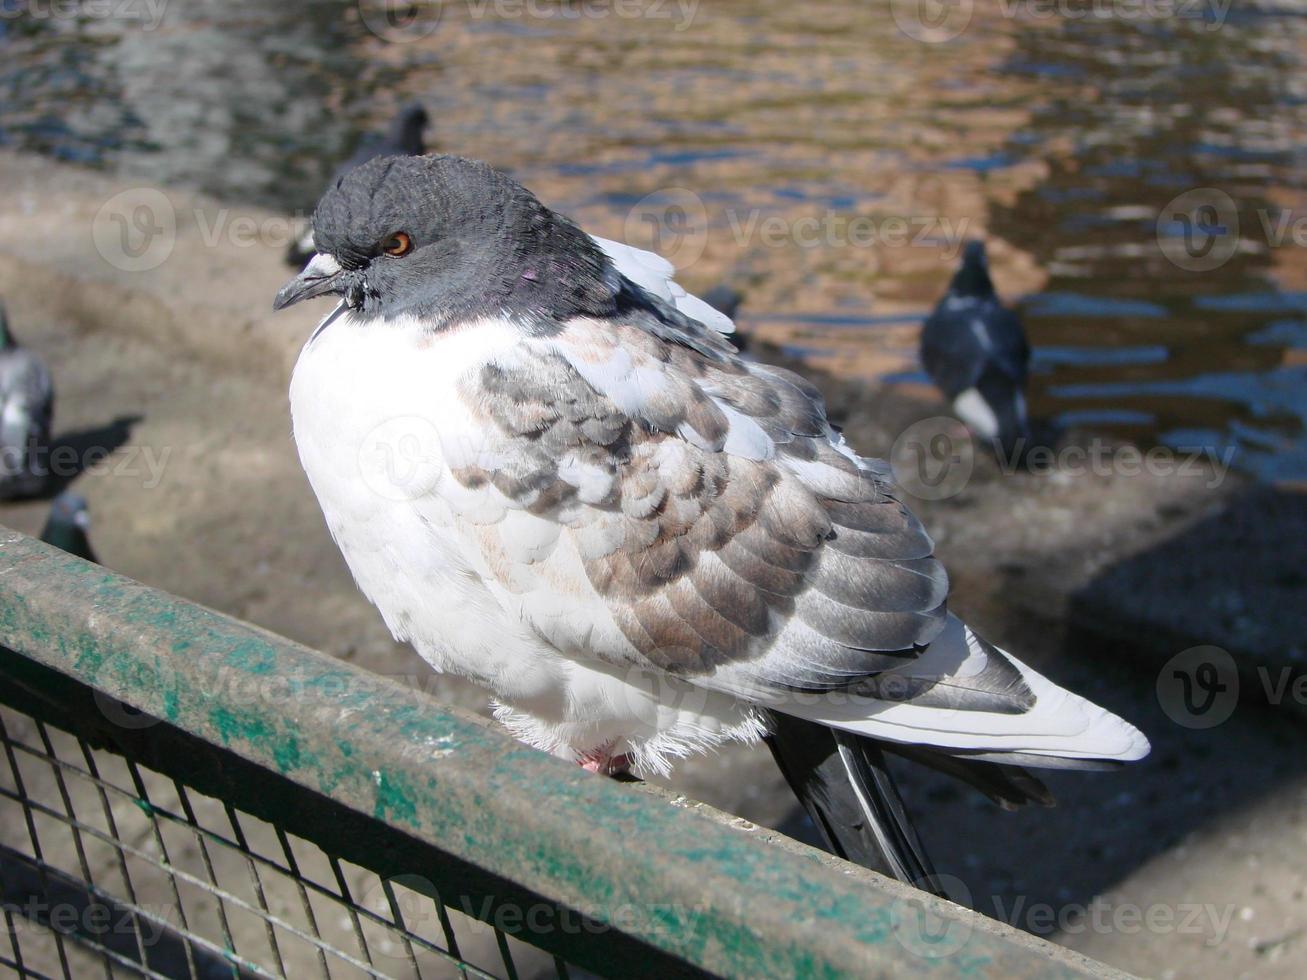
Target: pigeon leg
{"points": [[602, 760]]}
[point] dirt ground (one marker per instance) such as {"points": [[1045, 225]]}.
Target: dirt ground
{"points": [[180, 374]]}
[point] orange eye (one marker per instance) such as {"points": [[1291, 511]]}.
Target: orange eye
{"points": [[398, 244]]}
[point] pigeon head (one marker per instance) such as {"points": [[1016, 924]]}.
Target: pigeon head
{"points": [[70, 509], [68, 524], [972, 277], [448, 240]]}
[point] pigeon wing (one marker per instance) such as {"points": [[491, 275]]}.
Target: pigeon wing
{"points": [[1011, 349], [964, 335], [714, 524], [654, 273], [640, 501]]}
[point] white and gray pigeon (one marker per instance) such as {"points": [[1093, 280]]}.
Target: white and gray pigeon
{"points": [[26, 413], [975, 351], [402, 138], [553, 477]]}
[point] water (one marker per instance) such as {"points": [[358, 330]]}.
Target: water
{"points": [[814, 154]]}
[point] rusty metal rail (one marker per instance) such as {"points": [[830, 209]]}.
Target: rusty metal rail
{"points": [[200, 781]]}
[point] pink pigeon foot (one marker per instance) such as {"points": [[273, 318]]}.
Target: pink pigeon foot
{"points": [[602, 761]]}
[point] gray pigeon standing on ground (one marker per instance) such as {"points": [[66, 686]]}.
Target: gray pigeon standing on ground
{"points": [[563, 484], [26, 412], [975, 351], [69, 524], [403, 138]]}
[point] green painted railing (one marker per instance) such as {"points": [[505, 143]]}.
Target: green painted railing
{"points": [[399, 784]]}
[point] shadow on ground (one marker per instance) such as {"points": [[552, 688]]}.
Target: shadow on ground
{"points": [[72, 452]]}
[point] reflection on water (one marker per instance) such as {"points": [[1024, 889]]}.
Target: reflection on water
{"points": [[836, 165]]}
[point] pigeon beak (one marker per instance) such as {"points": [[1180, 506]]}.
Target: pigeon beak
{"points": [[321, 276]]}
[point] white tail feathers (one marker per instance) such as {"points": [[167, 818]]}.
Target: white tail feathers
{"points": [[1059, 725]]}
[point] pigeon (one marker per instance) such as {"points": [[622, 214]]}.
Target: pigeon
{"points": [[553, 480], [975, 351], [68, 526], [404, 137], [726, 300], [26, 413]]}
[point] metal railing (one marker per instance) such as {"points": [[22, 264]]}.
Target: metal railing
{"points": [[184, 794]]}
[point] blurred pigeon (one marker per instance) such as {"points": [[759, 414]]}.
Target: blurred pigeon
{"points": [[975, 351], [26, 412], [403, 138], [723, 299], [69, 524], [726, 300], [643, 544]]}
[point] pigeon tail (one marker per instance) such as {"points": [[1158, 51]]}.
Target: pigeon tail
{"points": [[1007, 402], [843, 782]]}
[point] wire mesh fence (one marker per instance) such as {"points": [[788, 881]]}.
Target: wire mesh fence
{"points": [[108, 868], [186, 795]]}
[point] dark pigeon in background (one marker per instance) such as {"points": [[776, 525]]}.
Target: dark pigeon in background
{"points": [[975, 351], [403, 138], [26, 412], [726, 300], [723, 299], [68, 526]]}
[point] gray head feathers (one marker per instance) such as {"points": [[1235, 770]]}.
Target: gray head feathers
{"points": [[451, 240], [69, 524]]}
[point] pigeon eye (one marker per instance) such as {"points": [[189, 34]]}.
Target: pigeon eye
{"points": [[397, 244]]}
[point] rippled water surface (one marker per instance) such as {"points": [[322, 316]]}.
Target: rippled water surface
{"points": [[818, 155]]}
